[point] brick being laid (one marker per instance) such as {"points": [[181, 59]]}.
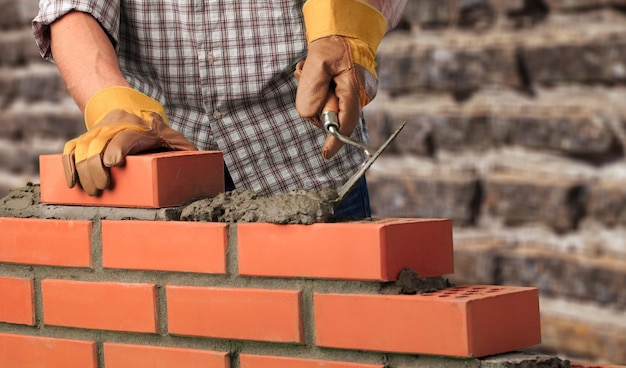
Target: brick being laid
{"points": [[374, 250], [151, 180], [462, 321]]}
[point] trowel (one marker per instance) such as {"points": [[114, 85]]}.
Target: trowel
{"points": [[330, 123]]}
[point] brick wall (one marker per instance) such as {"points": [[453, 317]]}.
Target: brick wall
{"points": [[516, 134], [87, 289]]}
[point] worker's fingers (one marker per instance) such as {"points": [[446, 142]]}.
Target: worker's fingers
{"points": [[93, 175], [127, 143], [69, 167], [313, 84], [349, 110]]}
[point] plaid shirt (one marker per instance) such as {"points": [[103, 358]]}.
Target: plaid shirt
{"points": [[223, 69]]}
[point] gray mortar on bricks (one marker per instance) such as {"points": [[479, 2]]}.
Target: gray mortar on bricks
{"points": [[297, 207], [25, 203]]}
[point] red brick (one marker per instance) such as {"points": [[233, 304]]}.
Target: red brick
{"points": [[165, 246], [150, 180], [464, 321], [17, 298], [45, 242], [244, 314], [100, 305], [139, 356], [42, 352], [264, 361], [367, 250]]}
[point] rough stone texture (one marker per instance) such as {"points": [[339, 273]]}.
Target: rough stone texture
{"points": [[418, 188], [18, 48], [569, 5], [598, 59], [32, 83], [567, 276], [460, 65], [518, 200], [16, 14], [568, 121], [607, 201], [590, 332]]}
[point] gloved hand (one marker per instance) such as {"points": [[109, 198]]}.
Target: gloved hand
{"points": [[120, 121], [342, 36]]}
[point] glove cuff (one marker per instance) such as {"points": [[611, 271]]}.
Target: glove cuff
{"points": [[120, 98], [348, 18]]}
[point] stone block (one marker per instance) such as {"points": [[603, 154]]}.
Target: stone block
{"points": [[574, 277], [429, 13], [31, 121], [35, 82], [534, 197], [476, 258], [574, 130], [17, 13], [457, 63], [584, 330], [417, 188], [607, 201], [574, 57], [576, 5], [17, 47]]}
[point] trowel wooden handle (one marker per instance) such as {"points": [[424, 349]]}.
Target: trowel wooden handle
{"points": [[332, 101]]}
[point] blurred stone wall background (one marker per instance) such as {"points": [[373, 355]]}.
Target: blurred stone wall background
{"points": [[37, 115], [516, 131]]}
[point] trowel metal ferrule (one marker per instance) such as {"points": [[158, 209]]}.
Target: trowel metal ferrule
{"points": [[331, 126]]}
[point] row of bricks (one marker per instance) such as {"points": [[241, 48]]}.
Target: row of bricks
{"points": [[366, 250], [42, 352], [459, 321], [30, 352]]}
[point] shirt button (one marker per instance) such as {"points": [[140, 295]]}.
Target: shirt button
{"points": [[217, 114], [210, 58]]}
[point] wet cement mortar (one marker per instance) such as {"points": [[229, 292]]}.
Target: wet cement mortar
{"points": [[298, 207]]}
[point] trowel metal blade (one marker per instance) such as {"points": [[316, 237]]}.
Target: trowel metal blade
{"points": [[345, 189]]}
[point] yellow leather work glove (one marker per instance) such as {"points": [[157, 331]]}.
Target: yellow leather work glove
{"points": [[342, 36], [120, 121]]}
